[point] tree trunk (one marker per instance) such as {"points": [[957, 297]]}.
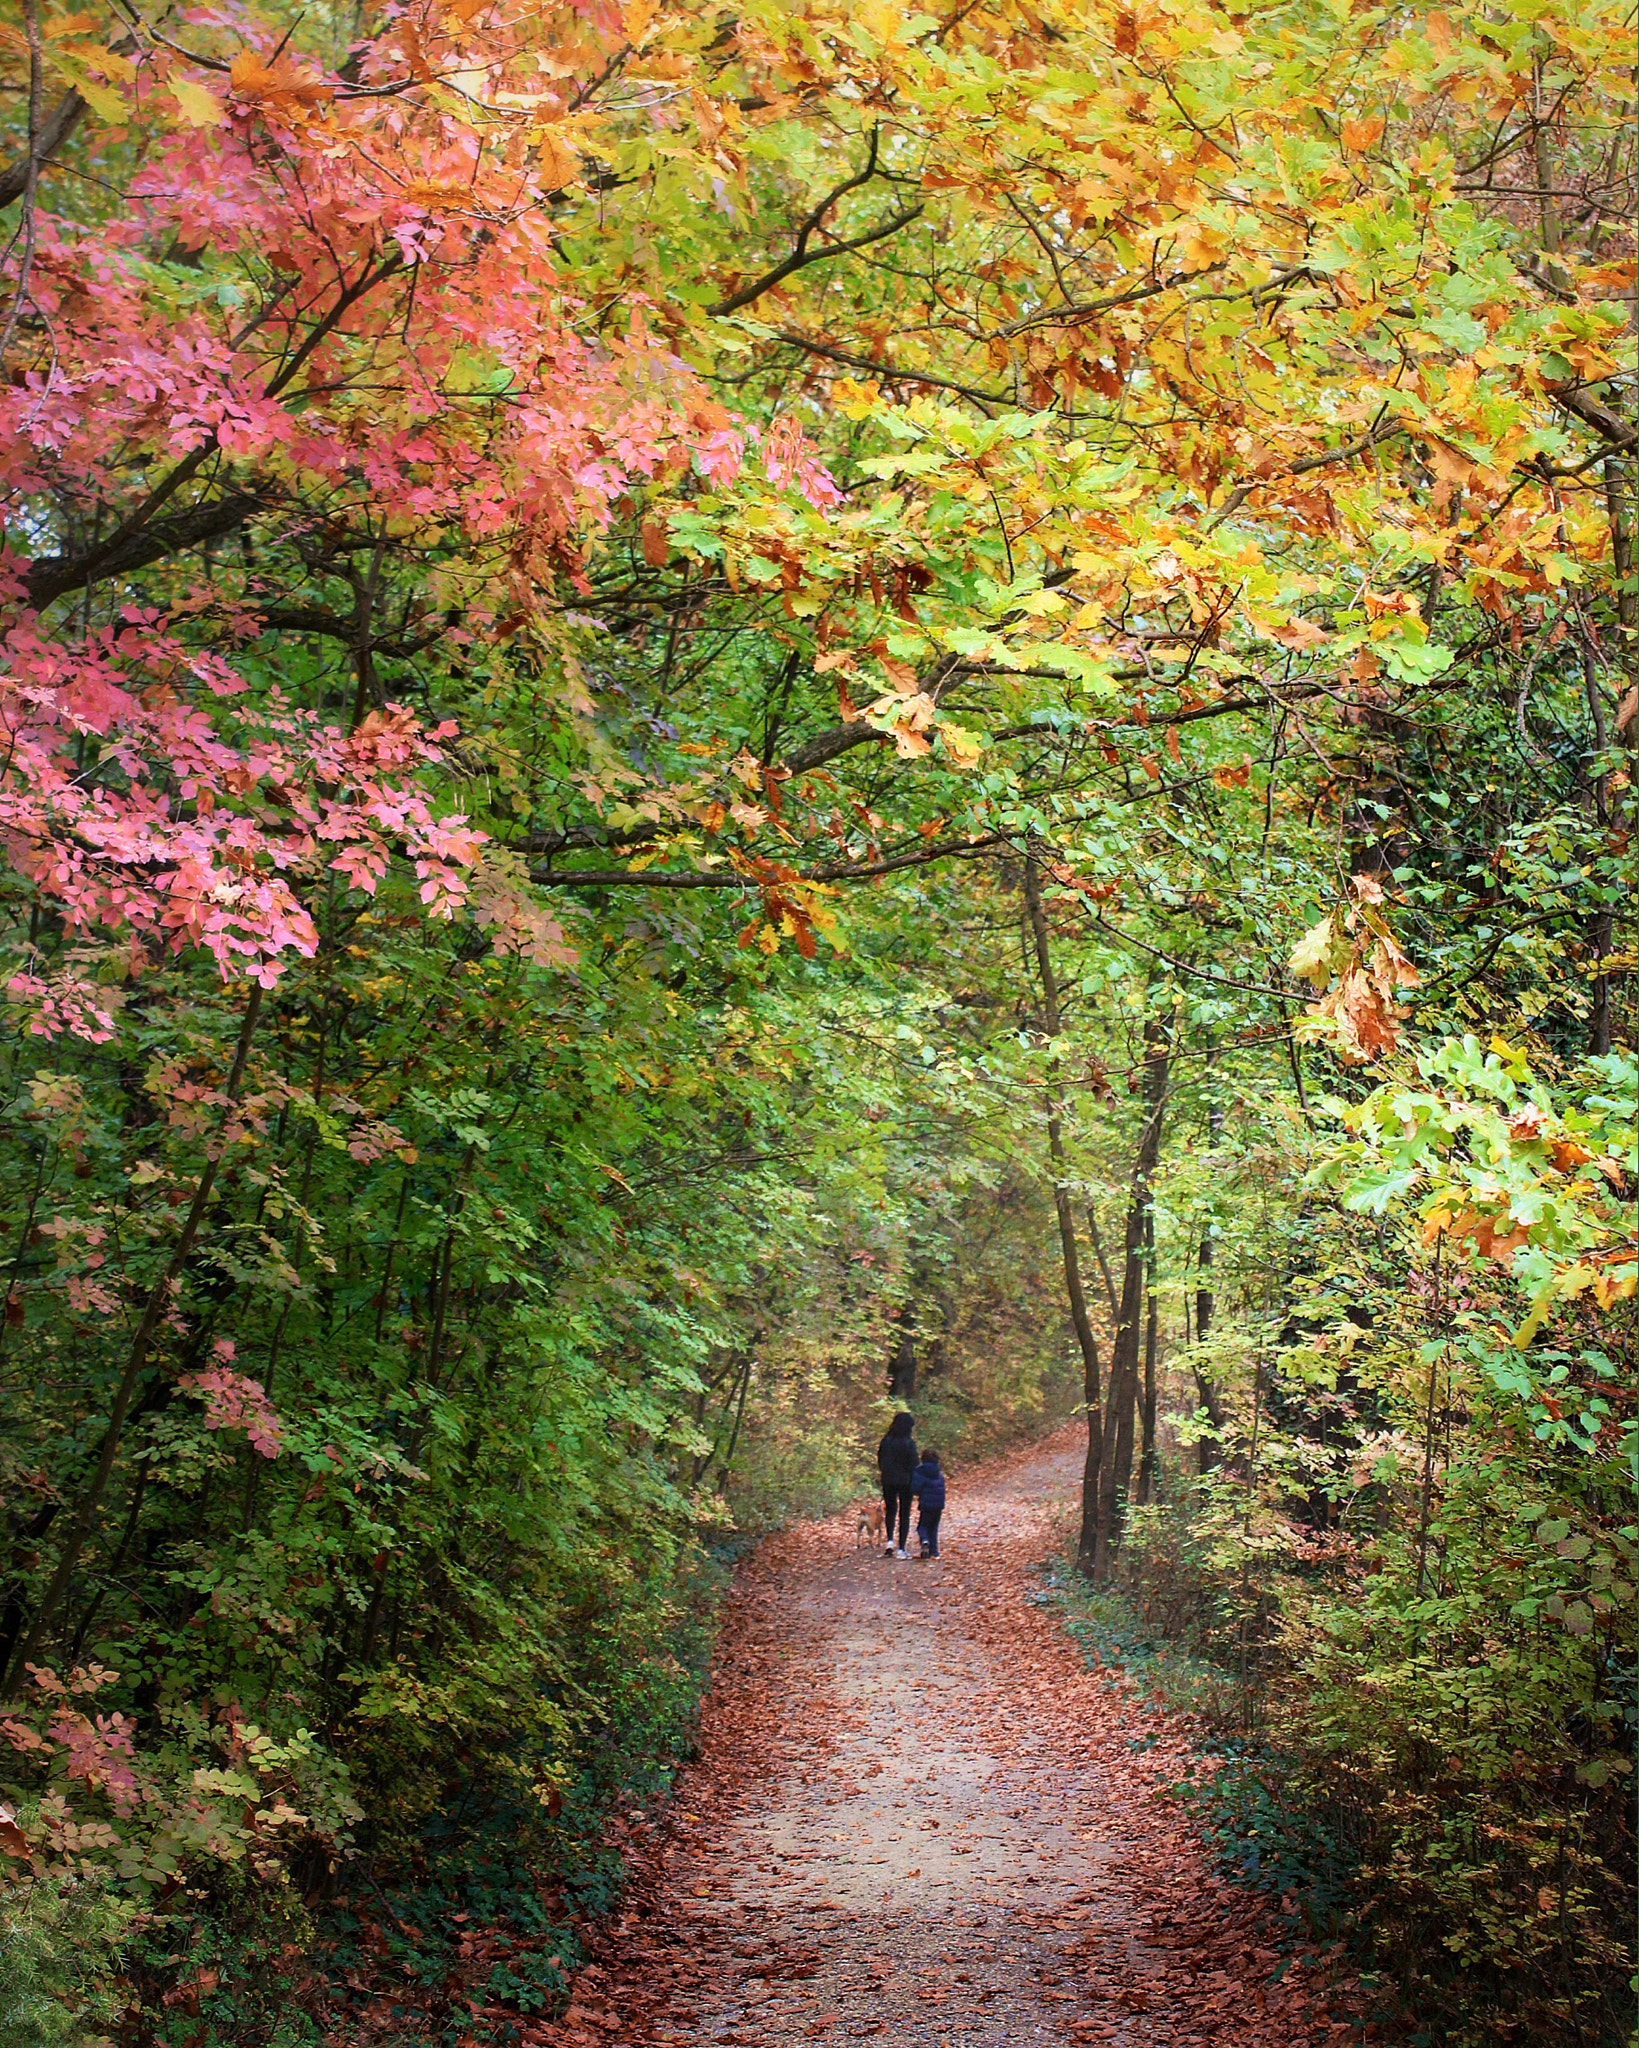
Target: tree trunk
{"points": [[1621, 522], [1116, 1478], [902, 1373], [1599, 1021], [1103, 1264], [1092, 1472], [1146, 1455], [1207, 1452]]}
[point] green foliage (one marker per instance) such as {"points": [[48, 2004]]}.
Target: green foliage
{"points": [[58, 1937], [1411, 1570], [1148, 1646], [509, 1261]]}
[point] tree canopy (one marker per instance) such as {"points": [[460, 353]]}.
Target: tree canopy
{"points": [[713, 713]]}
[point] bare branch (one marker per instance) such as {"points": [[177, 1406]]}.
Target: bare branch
{"points": [[53, 576], [1380, 430]]}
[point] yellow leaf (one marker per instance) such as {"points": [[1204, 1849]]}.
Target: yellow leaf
{"points": [[1311, 956], [962, 747], [277, 83], [102, 99], [199, 108], [1362, 134]]}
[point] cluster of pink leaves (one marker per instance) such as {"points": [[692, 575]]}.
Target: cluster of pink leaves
{"points": [[97, 1749], [234, 1402], [386, 334], [391, 253], [64, 1002], [789, 457], [130, 810]]}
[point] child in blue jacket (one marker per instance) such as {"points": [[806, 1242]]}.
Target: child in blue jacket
{"points": [[928, 1484]]}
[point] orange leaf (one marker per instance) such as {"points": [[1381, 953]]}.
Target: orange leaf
{"points": [[555, 160], [1297, 633], [251, 79]]}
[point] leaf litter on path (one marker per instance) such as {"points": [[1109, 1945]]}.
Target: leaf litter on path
{"points": [[915, 1811]]}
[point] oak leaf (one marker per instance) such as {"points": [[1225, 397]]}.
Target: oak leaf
{"points": [[275, 84], [199, 108]]}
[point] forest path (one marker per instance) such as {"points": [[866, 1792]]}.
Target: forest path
{"points": [[916, 1813]]}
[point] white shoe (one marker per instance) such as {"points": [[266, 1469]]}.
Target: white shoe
{"points": [[901, 1553], [889, 1551]]}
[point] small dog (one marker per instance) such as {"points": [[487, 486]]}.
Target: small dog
{"points": [[870, 1529]]}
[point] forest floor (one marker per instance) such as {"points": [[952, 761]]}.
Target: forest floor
{"points": [[916, 1812]]}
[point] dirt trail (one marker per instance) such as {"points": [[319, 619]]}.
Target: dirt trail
{"points": [[915, 1813]]}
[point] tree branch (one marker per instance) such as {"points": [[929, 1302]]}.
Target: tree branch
{"points": [[835, 871], [1618, 431], [135, 546], [802, 256], [852, 362], [826, 746], [1380, 430], [58, 126], [795, 262]]}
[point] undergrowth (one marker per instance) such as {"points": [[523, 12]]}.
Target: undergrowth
{"points": [[1236, 1789]]}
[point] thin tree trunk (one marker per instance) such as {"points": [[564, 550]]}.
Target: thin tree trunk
{"points": [[1146, 1455], [1116, 1478], [1103, 1264], [1426, 1495], [299, 1249], [392, 1249], [154, 1308], [1599, 1023], [1620, 515], [902, 1373], [45, 1152], [739, 1376], [1246, 1533], [1207, 1452], [1092, 1472], [739, 1417]]}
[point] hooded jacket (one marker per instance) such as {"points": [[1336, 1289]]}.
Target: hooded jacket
{"points": [[928, 1484], [896, 1457]]}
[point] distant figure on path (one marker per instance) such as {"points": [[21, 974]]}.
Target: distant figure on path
{"points": [[896, 1460], [928, 1484]]}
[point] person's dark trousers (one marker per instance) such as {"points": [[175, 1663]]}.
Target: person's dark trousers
{"points": [[896, 1500], [927, 1530]]}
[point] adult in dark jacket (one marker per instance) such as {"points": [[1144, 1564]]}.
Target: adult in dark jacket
{"points": [[928, 1484], [897, 1461]]}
